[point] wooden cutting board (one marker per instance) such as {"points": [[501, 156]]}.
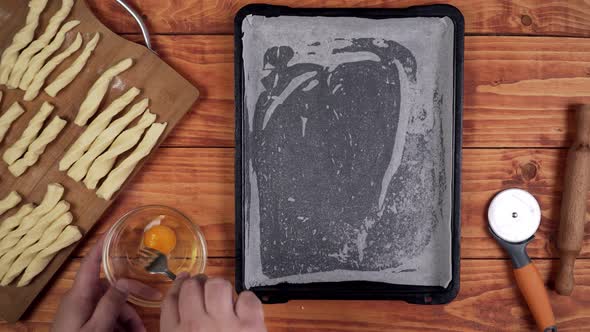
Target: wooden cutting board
{"points": [[171, 96]]}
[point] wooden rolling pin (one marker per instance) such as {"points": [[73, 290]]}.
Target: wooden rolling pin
{"points": [[573, 205]]}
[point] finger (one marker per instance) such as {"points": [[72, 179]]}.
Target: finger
{"points": [[170, 313], [142, 290], [191, 304], [219, 298], [89, 272], [130, 319], [249, 307], [109, 308]]}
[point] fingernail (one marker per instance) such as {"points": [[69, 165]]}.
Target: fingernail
{"points": [[122, 286], [201, 277]]}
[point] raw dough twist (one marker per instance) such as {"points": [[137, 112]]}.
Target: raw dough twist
{"points": [[9, 117], [32, 236], [11, 200], [21, 39], [98, 90], [103, 164], [121, 172], [37, 83], [39, 60], [29, 134], [25, 56], [38, 146], [21, 263], [14, 221], [70, 235], [102, 142], [95, 128], [68, 75], [52, 197]]}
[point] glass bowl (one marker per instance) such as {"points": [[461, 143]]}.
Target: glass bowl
{"points": [[121, 259]]}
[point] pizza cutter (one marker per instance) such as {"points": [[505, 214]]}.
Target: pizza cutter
{"points": [[514, 216]]}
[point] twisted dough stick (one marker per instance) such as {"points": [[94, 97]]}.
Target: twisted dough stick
{"points": [[96, 127], [52, 197], [35, 124], [32, 236], [68, 75], [70, 235], [23, 59], [39, 80], [103, 164], [21, 39], [121, 172], [39, 60], [9, 117], [38, 146], [10, 201], [98, 91], [28, 254], [13, 221], [106, 137]]}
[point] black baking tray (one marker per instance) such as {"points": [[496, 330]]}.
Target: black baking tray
{"points": [[352, 290]]}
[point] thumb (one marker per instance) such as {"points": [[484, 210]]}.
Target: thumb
{"points": [[109, 308]]}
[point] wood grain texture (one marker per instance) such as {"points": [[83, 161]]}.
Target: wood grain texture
{"points": [[488, 299], [517, 94], [518, 91], [200, 182], [530, 17], [171, 97]]}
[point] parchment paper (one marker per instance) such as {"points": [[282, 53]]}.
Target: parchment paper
{"points": [[348, 149]]}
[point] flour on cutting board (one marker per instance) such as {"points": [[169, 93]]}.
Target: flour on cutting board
{"points": [[348, 149]]}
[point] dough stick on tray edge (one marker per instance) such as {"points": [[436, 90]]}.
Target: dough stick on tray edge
{"points": [[39, 79], [25, 258], [21, 39], [68, 75], [83, 142], [103, 141], [69, 236], [38, 146], [117, 176], [38, 61], [124, 142], [23, 60], [8, 117], [11, 200], [98, 90], [18, 148]]}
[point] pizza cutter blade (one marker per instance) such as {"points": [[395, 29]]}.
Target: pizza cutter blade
{"points": [[514, 216]]}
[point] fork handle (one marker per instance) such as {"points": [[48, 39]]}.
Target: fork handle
{"points": [[170, 275]]}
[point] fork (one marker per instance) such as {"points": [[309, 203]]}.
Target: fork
{"points": [[157, 263]]}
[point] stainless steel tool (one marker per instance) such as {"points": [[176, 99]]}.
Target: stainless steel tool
{"points": [[514, 216], [142, 26], [156, 262]]}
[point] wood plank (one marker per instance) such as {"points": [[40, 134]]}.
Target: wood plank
{"points": [[488, 301], [201, 183], [530, 17], [518, 90]]}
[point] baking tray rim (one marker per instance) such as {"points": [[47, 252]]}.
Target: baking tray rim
{"points": [[353, 290]]}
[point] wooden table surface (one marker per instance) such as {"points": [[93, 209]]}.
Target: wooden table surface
{"points": [[526, 63]]}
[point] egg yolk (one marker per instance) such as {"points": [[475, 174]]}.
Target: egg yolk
{"points": [[161, 238]]}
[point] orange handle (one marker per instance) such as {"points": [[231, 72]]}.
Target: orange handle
{"points": [[533, 289]]}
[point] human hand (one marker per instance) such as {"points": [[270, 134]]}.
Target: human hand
{"points": [[91, 305], [201, 305]]}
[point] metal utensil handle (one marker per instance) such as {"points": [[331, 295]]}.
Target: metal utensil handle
{"points": [[144, 30], [170, 275]]}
